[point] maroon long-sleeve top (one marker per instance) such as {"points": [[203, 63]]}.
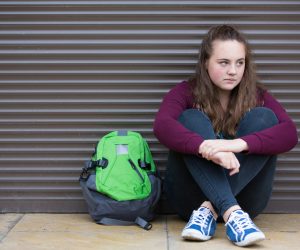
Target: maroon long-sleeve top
{"points": [[275, 140]]}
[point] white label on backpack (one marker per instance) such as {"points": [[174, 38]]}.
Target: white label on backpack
{"points": [[122, 149]]}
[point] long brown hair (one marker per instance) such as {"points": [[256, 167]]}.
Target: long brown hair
{"points": [[243, 96]]}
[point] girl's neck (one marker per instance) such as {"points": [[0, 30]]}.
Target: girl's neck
{"points": [[224, 99]]}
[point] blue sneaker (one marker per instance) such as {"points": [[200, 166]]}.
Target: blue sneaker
{"points": [[241, 230], [201, 226]]}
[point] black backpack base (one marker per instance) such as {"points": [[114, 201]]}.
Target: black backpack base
{"points": [[107, 211]]}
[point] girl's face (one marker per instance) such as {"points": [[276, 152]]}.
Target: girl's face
{"points": [[227, 64]]}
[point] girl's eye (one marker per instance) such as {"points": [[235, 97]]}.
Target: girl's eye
{"points": [[241, 63], [223, 63]]}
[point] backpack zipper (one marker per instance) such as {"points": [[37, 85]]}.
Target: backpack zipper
{"points": [[136, 169]]}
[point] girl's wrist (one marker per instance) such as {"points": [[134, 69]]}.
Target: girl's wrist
{"points": [[242, 145]]}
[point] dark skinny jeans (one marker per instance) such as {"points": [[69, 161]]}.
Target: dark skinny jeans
{"points": [[191, 180]]}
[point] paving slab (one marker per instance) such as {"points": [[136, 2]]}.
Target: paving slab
{"points": [[282, 232], [78, 231], [7, 223]]}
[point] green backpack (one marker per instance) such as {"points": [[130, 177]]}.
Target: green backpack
{"points": [[123, 163]]}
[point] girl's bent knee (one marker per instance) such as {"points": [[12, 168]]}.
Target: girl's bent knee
{"points": [[192, 115], [198, 122], [255, 120]]}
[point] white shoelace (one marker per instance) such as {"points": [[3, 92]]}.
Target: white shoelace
{"points": [[242, 222], [200, 218]]}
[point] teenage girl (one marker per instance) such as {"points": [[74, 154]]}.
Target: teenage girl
{"points": [[224, 132]]}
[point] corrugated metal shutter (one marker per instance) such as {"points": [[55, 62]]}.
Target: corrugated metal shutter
{"points": [[72, 71]]}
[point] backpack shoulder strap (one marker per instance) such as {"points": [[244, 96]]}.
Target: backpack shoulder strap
{"points": [[142, 153], [150, 165]]}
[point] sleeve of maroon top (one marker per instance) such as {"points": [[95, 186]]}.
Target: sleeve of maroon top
{"points": [[277, 139], [168, 130]]}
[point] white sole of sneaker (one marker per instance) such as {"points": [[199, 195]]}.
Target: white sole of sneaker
{"points": [[192, 234], [251, 239]]}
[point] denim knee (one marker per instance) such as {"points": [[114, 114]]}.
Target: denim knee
{"points": [[256, 119], [189, 116], [198, 122]]}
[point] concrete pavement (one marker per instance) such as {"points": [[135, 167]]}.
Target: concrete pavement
{"points": [[78, 231]]}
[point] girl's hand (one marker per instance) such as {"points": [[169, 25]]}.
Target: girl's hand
{"points": [[210, 147], [227, 160]]}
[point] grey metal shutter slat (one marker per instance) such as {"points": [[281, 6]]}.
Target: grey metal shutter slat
{"points": [[71, 71]]}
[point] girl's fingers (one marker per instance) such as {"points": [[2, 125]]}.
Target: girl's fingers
{"points": [[233, 172], [236, 168]]}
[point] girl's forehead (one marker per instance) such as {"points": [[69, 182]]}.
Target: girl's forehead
{"points": [[228, 48]]}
